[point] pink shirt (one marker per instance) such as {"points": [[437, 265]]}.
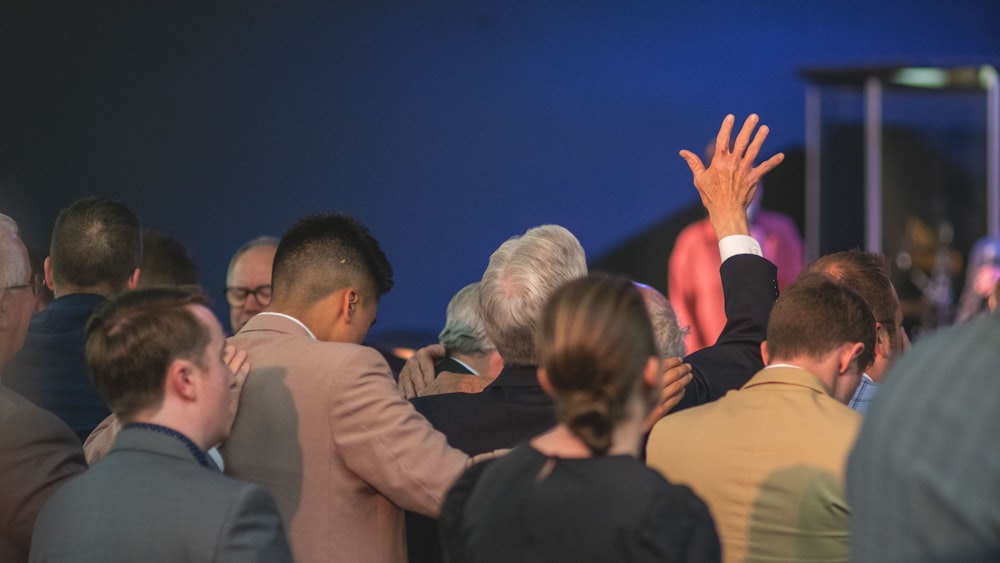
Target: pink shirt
{"points": [[693, 280]]}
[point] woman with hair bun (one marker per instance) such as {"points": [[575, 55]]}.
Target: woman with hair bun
{"points": [[577, 492]]}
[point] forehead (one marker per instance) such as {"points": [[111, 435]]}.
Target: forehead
{"points": [[254, 265], [14, 266]]}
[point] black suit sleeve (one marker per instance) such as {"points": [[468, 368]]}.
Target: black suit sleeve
{"points": [[750, 287]]}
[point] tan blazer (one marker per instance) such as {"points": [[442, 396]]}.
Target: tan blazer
{"points": [[769, 461], [324, 428]]}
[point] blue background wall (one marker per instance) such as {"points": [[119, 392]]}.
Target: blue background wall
{"points": [[445, 126]]}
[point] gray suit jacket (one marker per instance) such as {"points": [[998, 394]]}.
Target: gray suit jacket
{"points": [[38, 453], [924, 477], [323, 426], [149, 500]]}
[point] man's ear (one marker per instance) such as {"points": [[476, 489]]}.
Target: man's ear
{"points": [[849, 352], [543, 381], [47, 268], [882, 345], [350, 303], [133, 280], [764, 355], [182, 380]]}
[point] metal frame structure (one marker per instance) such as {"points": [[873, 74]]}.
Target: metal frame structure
{"points": [[872, 82]]}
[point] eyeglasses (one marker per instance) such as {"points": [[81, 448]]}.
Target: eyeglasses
{"points": [[237, 296]]}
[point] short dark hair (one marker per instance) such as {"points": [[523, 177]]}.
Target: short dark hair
{"points": [[96, 244], [868, 274], [594, 338], [816, 315], [323, 253], [165, 261], [133, 337]]}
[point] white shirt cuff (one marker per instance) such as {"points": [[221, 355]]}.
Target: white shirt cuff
{"points": [[738, 244]]}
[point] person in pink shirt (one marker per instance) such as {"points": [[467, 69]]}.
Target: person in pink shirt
{"points": [[695, 288]]}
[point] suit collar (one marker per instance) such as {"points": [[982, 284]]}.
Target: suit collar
{"points": [[139, 439], [517, 377], [68, 311], [787, 375], [277, 322]]}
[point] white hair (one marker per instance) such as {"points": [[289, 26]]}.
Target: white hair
{"points": [[669, 336], [15, 267], [519, 279], [463, 331]]}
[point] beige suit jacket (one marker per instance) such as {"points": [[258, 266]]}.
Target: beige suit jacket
{"points": [[323, 426], [769, 461]]}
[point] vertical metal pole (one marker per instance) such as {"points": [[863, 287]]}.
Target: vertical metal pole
{"points": [[873, 164], [989, 74], [814, 124]]}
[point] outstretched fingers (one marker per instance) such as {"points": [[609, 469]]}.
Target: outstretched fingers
{"points": [[767, 166], [725, 134], [758, 141], [693, 162], [744, 136]]}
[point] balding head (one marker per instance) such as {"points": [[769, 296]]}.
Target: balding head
{"points": [[248, 280], [519, 279], [868, 274]]}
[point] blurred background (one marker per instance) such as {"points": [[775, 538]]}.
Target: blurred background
{"points": [[447, 127]]}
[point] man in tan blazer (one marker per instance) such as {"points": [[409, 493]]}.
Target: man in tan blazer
{"points": [[769, 459], [320, 422]]}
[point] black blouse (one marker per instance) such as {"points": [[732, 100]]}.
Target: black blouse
{"points": [[529, 507]]}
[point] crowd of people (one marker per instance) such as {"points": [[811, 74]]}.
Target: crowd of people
{"points": [[558, 418]]}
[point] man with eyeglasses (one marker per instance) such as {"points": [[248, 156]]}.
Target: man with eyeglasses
{"points": [[37, 451], [248, 280]]}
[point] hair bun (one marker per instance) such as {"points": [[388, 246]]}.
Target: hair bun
{"points": [[588, 416]]}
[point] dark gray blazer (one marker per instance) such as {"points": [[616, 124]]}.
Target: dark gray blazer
{"points": [[149, 500]]}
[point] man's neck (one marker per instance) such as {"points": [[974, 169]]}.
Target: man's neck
{"points": [[183, 425], [824, 371], [877, 370], [64, 290]]}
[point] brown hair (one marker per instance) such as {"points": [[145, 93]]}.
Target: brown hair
{"points": [[868, 274], [815, 316], [96, 245], [133, 337], [594, 339]]}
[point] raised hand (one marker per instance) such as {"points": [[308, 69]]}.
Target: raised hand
{"points": [[729, 183]]}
